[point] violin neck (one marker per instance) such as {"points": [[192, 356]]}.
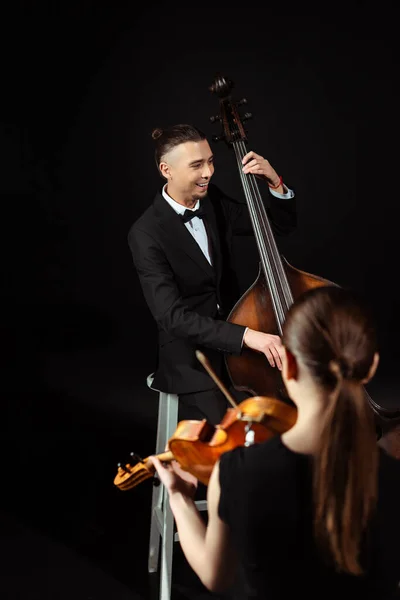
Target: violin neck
{"points": [[271, 262], [165, 457]]}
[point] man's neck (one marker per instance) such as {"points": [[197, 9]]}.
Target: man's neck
{"points": [[186, 202]]}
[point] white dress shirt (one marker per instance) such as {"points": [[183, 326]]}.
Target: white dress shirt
{"points": [[195, 226]]}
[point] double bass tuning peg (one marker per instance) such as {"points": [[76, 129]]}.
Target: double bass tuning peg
{"points": [[247, 116], [215, 118], [242, 101]]}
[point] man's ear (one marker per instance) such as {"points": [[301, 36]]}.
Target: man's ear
{"points": [[290, 365], [165, 170]]}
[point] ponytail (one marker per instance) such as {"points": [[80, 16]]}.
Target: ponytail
{"points": [[345, 473]]}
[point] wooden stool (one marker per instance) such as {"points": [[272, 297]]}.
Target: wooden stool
{"points": [[162, 520]]}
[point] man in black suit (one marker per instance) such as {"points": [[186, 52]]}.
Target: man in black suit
{"points": [[181, 249]]}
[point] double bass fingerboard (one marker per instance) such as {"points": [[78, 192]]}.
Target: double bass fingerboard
{"points": [[281, 295]]}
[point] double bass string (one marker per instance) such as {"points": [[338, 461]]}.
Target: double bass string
{"points": [[286, 293], [269, 241], [259, 237], [267, 264], [266, 246]]}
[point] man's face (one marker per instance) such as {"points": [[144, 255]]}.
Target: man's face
{"points": [[188, 169]]}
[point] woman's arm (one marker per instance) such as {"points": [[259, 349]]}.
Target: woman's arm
{"points": [[207, 548]]}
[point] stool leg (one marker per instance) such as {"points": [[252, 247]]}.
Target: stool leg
{"points": [[154, 544], [167, 551], [162, 520], [158, 492], [171, 402], [172, 416]]}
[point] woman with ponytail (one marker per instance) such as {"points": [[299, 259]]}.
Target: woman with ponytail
{"points": [[317, 509]]}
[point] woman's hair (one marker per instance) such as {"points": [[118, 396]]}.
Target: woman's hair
{"points": [[331, 332], [167, 139]]}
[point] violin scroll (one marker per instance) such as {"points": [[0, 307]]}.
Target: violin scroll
{"points": [[129, 476]]}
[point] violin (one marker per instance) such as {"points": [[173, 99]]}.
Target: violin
{"points": [[197, 445]]}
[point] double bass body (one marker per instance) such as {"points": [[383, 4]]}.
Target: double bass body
{"points": [[251, 371]]}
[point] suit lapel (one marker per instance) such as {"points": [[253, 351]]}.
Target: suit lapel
{"points": [[173, 227], [212, 231]]}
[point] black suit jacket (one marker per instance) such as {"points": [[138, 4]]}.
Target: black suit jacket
{"points": [[182, 289]]}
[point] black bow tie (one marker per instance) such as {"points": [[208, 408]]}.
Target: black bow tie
{"points": [[189, 214]]}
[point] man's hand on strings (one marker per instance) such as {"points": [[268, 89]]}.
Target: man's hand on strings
{"points": [[260, 167]]}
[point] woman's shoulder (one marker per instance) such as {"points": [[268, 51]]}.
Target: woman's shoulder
{"points": [[270, 454]]}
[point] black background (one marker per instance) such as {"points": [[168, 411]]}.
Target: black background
{"points": [[83, 85]]}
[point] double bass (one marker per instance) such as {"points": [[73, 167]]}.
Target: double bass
{"points": [[264, 305]]}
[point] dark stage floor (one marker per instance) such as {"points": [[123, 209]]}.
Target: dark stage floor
{"points": [[67, 531]]}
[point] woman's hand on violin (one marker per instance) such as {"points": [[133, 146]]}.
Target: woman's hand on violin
{"points": [[267, 343], [260, 167], [175, 479]]}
